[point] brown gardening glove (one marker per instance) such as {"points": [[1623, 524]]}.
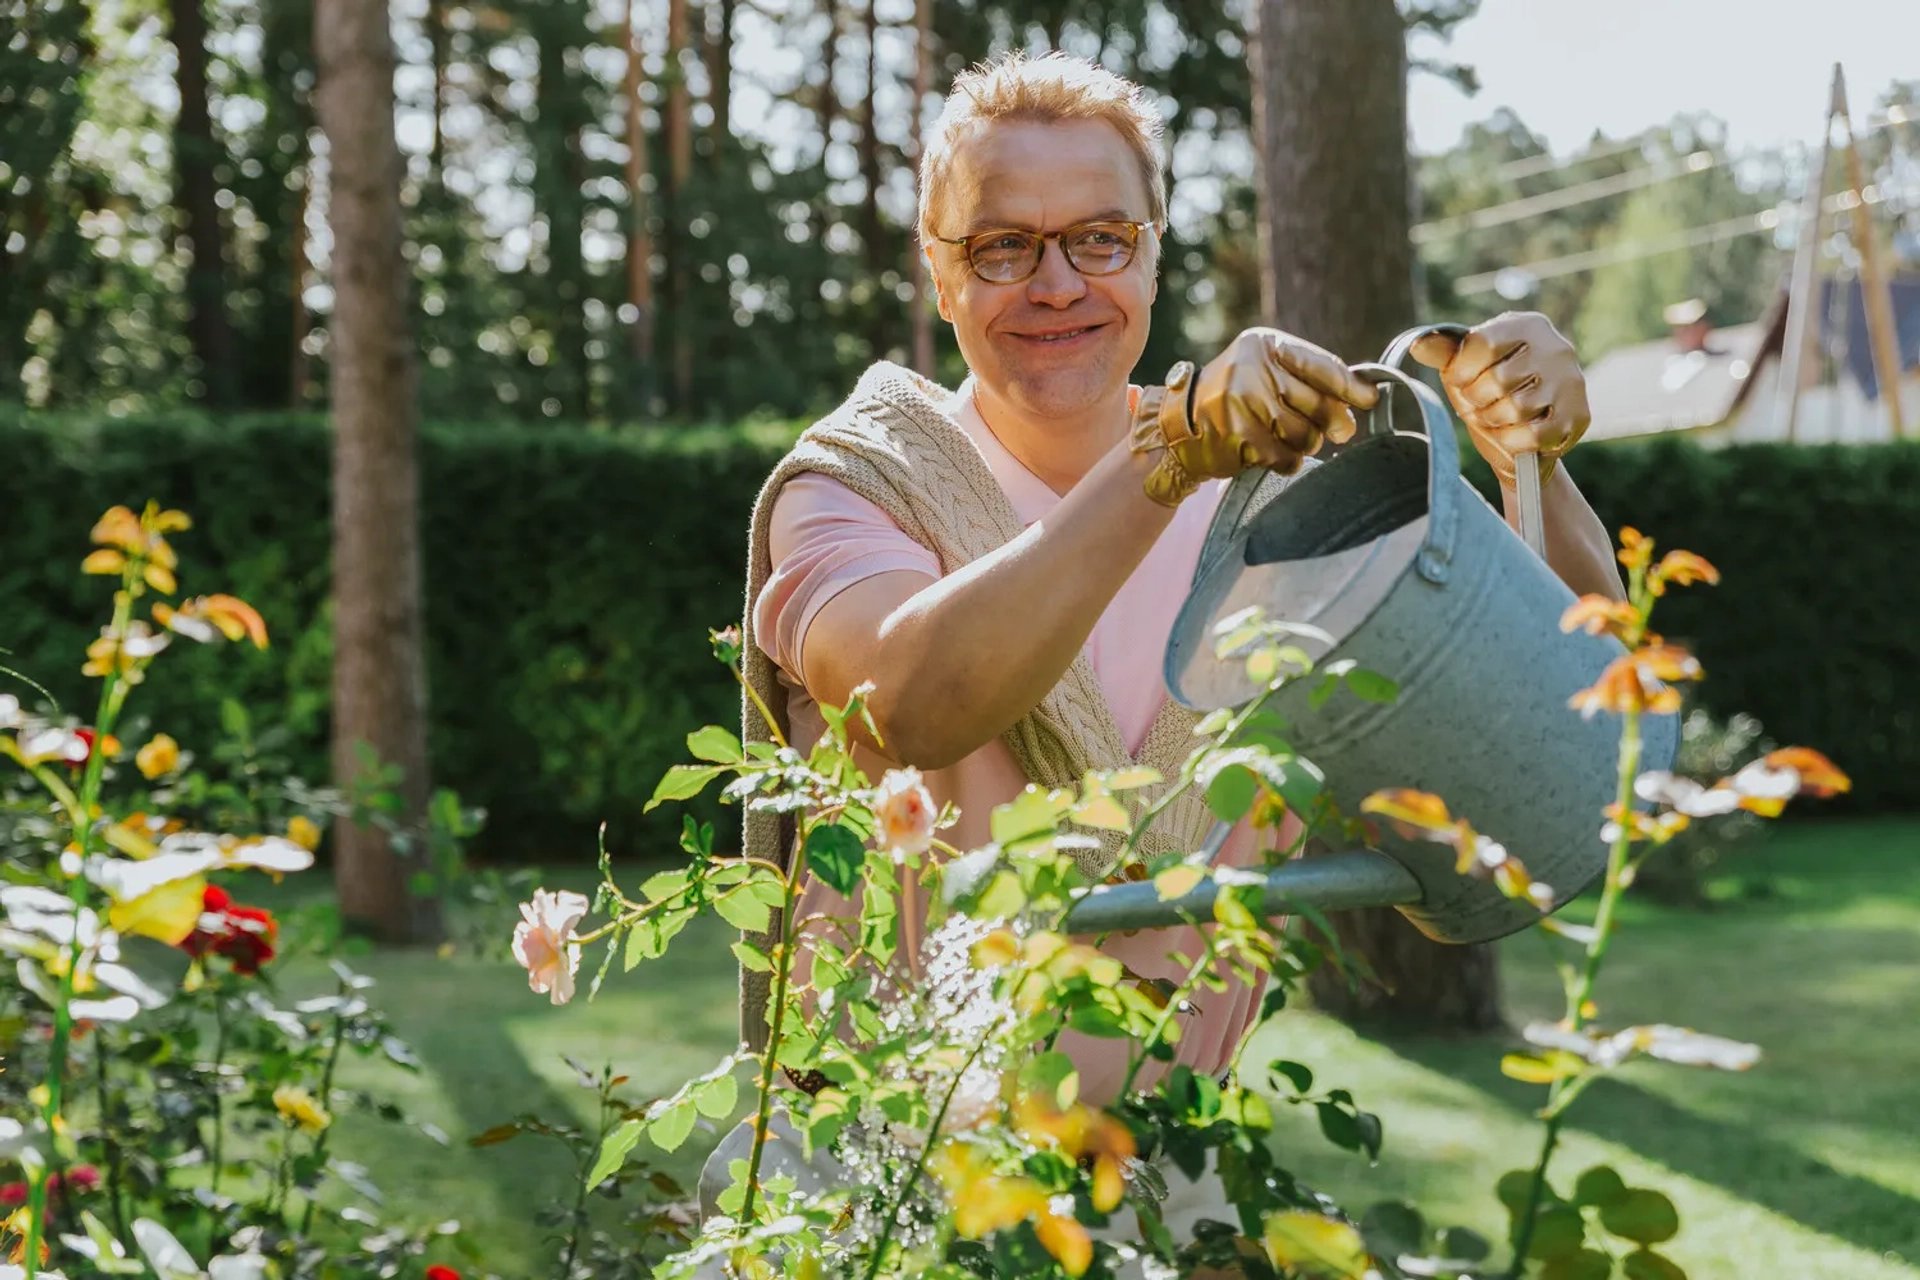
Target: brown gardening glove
{"points": [[1517, 385], [1268, 400]]}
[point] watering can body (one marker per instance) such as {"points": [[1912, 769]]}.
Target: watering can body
{"points": [[1406, 571]]}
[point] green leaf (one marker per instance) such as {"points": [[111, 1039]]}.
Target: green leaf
{"points": [[1372, 686], [1131, 779], [752, 958], [1297, 1074], [835, 854], [1308, 1244], [1230, 794], [683, 782], [1002, 897], [1558, 1232], [1582, 1264], [1598, 1186], [1339, 1125], [744, 911], [715, 744], [1642, 1216], [670, 1128], [1053, 1076], [614, 1150], [1513, 1188], [1392, 1227], [494, 1136], [1462, 1243], [660, 887], [1033, 814], [715, 1099], [1645, 1264]]}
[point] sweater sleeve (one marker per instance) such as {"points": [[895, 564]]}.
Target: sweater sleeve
{"points": [[823, 539]]}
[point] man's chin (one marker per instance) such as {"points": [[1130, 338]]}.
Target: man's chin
{"points": [[1066, 392]]}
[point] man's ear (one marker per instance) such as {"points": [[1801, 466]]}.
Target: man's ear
{"points": [[939, 291]]}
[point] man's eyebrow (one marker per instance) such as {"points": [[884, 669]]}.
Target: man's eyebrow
{"points": [[986, 223]]}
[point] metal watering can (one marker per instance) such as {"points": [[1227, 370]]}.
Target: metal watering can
{"points": [[1390, 552]]}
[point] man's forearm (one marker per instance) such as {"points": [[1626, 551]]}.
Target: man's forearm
{"points": [[1578, 548], [961, 660]]}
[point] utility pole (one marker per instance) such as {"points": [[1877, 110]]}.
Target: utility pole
{"points": [[1875, 294]]}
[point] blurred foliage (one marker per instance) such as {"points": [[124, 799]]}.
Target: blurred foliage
{"points": [[565, 565]]}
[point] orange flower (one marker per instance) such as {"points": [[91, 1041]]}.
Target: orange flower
{"points": [[1681, 569], [1633, 682], [1080, 1132], [1597, 614], [985, 1202], [1819, 776], [1636, 549], [200, 617], [905, 812]]}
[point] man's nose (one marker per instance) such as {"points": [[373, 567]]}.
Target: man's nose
{"points": [[1056, 283]]}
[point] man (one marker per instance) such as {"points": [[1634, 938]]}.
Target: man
{"points": [[1004, 562]]}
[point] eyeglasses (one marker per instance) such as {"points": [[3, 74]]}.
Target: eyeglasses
{"points": [[1008, 256]]}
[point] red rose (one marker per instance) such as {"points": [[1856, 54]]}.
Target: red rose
{"points": [[83, 1177], [13, 1194], [440, 1271], [246, 936]]}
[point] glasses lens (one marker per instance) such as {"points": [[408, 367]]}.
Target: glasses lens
{"points": [[1005, 255], [1100, 248]]}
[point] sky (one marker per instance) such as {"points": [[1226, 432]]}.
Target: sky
{"points": [[1568, 67]]}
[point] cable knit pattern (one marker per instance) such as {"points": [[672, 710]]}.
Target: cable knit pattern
{"points": [[891, 443]]}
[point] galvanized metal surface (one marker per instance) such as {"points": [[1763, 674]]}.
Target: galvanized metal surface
{"points": [[1330, 882], [1416, 578]]}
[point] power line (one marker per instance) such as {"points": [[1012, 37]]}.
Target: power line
{"points": [[1547, 162], [1654, 246], [1564, 197]]}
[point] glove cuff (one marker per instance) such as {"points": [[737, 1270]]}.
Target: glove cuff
{"points": [[1162, 421]]}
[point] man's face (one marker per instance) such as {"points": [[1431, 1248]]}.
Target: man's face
{"points": [[1057, 343]]}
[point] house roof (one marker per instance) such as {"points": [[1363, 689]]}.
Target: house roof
{"points": [[1655, 386]]}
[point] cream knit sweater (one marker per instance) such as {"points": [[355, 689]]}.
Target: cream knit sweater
{"points": [[892, 444]]}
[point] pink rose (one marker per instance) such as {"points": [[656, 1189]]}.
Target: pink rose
{"points": [[906, 813], [543, 942]]}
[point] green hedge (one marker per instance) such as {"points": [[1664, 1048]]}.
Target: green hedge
{"points": [[571, 577]]}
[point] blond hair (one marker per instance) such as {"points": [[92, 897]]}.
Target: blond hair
{"points": [[1047, 90]]}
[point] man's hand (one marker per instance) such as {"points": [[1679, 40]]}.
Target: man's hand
{"points": [[1517, 385], [1268, 400]]}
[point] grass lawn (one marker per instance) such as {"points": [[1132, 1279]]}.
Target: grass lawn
{"points": [[1807, 1166]]}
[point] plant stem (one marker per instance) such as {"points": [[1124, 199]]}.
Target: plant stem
{"points": [[1174, 1001], [1581, 991], [789, 891], [80, 818], [582, 1168], [219, 1102], [326, 1093], [107, 1141]]}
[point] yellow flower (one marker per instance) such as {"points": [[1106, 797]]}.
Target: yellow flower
{"points": [[298, 1108], [159, 757], [119, 527], [201, 617], [104, 561], [167, 913], [304, 832]]}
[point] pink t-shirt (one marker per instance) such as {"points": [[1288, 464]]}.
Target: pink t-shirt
{"points": [[825, 538]]}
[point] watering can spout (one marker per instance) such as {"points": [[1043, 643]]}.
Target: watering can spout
{"points": [[1395, 565]]}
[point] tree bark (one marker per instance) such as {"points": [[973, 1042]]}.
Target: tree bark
{"points": [[872, 235], [916, 259], [720, 78], [196, 192], [379, 677], [559, 171], [679, 124], [639, 240], [1330, 127], [828, 107]]}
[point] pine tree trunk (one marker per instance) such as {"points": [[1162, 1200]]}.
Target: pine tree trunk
{"points": [[829, 106], [379, 678], [1330, 125], [916, 260], [720, 77], [872, 235], [196, 191], [639, 242], [679, 124], [559, 170]]}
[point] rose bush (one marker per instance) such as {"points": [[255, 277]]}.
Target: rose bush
{"points": [[164, 1102], [932, 1090]]}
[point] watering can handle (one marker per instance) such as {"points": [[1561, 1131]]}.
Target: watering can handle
{"points": [[1526, 466]]}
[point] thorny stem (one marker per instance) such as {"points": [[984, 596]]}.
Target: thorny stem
{"points": [[219, 1103], [79, 815], [580, 1193]]}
